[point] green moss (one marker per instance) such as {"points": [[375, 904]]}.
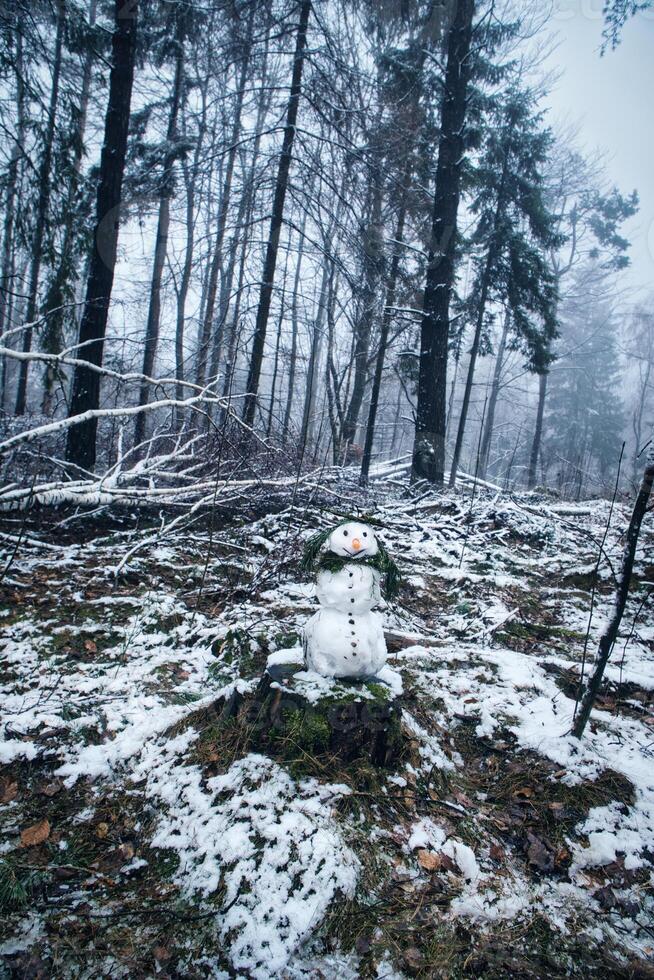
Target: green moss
{"points": [[379, 691], [307, 730]]}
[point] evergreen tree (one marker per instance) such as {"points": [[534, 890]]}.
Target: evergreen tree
{"points": [[589, 221], [585, 421], [513, 235], [616, 15]]}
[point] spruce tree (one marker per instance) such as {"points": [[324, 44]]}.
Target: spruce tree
{"points": [[512, 237], [585, 422]]}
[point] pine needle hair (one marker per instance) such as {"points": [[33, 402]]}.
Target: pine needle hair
{"points": [[314, 559]]}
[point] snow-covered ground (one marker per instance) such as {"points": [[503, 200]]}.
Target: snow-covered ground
{"points": [[171, 845]]}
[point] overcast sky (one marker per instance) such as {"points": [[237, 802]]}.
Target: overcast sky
{"points": [[611, 98]]}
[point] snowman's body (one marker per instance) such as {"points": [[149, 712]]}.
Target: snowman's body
{"points": [[345, 637]]}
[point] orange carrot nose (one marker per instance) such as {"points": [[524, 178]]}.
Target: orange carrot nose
{"points": [[356, 544]]}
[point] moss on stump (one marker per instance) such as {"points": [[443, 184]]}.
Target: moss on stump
{"points": [[350, 720]]}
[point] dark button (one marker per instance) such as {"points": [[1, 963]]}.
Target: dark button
{"points": [[351, 622], [351, 600], [353, 644], [351, 574]]}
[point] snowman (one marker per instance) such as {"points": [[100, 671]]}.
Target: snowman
{"points": [[345, 637]]}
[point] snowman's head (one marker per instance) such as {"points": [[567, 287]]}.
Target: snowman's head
{"points": [[353, 540]]}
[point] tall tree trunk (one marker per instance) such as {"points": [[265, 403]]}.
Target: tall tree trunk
{"points": [[334, 405], [538, 432], [163, 228], [235, 333], [281, 185], [42, 207], [80, 446], [372, 272], [7, 264], [278, 343], [225, 197], [66, 275], [243, 221], [294, 335], [429, 443], [491, 257], [492, 401], [387, 317], [474, 350], [396, 421], [306, 436], [610, 634], [190, 178]]}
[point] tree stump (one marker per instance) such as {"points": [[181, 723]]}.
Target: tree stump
{"points": [[292, 709]]}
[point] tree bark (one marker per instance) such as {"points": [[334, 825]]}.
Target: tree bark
{"points": [[491, 257], [538, 432], [306, 436], [66, 272], [278, 343], [373, 251], [492, 401], [42, 206], [81, 442], [190, 178], [387, 317], [294, 335], [225, 198], [6, 269], [281, 186], [163, 228], [610, 634], [429, 443]]}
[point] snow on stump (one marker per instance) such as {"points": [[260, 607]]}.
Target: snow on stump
{"points": [[294, 709]]}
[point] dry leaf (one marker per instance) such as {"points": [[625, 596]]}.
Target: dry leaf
{"points": [[127, 851], [90, 646], [36, 834], [413, 957], [448, 864], [102, 830], [50, 789], [539, 854], [8, 791], [525, 792], [497, 853], [161, 954], [429, 860], [461, 798]]}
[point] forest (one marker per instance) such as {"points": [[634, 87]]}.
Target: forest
{"points": [[268, 268], [283, 237]]}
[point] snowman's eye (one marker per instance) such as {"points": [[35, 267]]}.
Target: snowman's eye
{"points": [[344, 534], [365, 534]]}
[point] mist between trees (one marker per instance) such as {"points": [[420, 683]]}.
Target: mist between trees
{"points": [[268, 237]]}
